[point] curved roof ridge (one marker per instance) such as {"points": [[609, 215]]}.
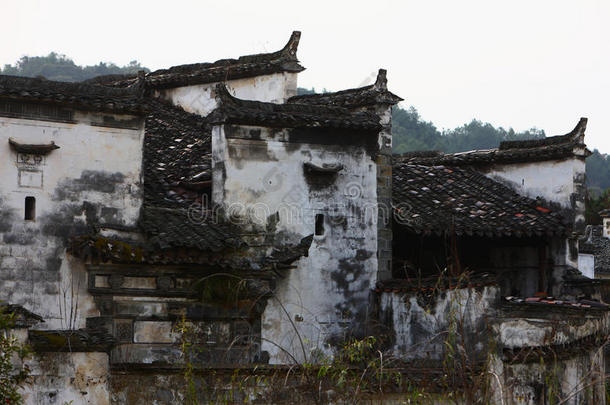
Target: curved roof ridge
{"points": [[284, 60], [291, 115], [574, 136], [376, 93], [536, 150]]}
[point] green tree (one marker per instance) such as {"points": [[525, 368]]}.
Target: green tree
{"points": [[598, 170], [61, 68], [411, 133], [593, 205], [13, 372]]}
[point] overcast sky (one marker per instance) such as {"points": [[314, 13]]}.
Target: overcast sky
{"points": [[512, 63]]}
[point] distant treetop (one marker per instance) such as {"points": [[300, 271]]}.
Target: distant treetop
{"points": [[61, 68]]}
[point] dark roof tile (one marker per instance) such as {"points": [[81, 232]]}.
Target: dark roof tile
{"points": [[232, 110], [374, 94], [552, 148], [177, 154], [439, 199], [284, 60], [77, 95]]}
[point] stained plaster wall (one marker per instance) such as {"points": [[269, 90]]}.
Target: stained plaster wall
{"points": [[569, 381], [326, 295], [575, 379], [552, 180], [421, 326], [200, 99], [558, 181], [536, 329], [95, 175], [60, 378], [586, 265]]}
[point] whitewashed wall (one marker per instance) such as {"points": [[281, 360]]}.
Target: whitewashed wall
{"points": [[96, 173], [586, 265], [421, 329], [327, 294], [200, 99], [552, 180]]}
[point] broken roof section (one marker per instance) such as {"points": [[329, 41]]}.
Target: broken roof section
{"points": [[77, 95], [177, 155], [232, 110], [284, 60], [551, 148], [373, 94], [441, 200]]}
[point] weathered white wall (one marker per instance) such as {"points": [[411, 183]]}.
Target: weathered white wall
{"points": [[327, 294], [537, 331], [421, 328], [95, 176], [552, 180], [558, 181], [586, 265], [62, 378], [574, 381], [200, 99]]}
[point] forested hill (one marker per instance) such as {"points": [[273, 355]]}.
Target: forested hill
{"points": [[61, 68], [410, 131]]}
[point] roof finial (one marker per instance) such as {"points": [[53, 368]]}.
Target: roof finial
{"points": [[579, 131], [382, 81], [290, 49], [223, 94]]}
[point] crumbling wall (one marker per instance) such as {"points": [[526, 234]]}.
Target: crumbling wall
{"points": [[64, 377], [60, 378], [421, 323], [200, 99], [94, 176], [262, 176], [543, 362]]}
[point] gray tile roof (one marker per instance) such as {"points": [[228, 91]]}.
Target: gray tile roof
{"points": [[284, 60], [441, 199], [374, 94], [551, 148], [232, 110], [78, 95]]}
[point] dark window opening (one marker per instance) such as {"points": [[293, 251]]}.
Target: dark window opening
{"points": [[30, 208], [319, 224]]}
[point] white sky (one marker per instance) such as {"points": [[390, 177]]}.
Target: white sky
{"points": [[512, 63]]}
